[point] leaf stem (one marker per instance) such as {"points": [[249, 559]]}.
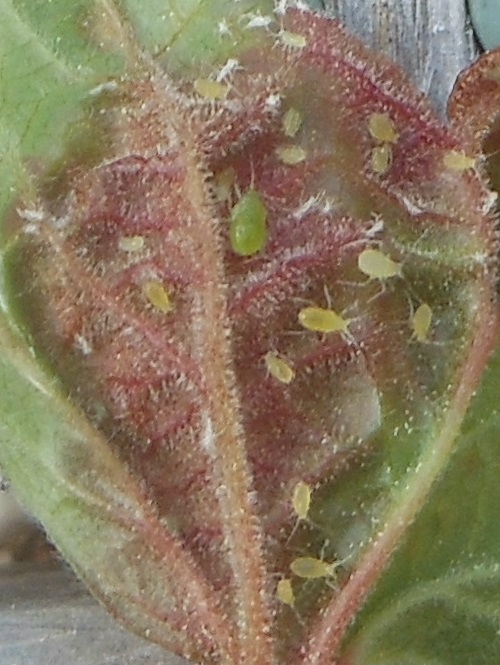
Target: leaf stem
{"points": [[223, 437]]}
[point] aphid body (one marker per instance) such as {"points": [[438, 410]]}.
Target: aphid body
{"points": [[223, 183], [381, 158], [211, 89], [292, 121], [248, 227], [292, 39], [158, 296], [322, 320], [382, 128], [301, 499], [131, 243], [291, 154], [377, 265], [421, 322], [279, 368], [458, 161], [284, 592], [309, 568]]}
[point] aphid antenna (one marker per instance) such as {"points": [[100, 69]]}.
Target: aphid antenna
{"points": [[337, 563], [236, 186], [383, 289], [302, 520]]}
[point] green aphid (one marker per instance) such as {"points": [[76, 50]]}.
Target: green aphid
{"points": [[248, 230]]}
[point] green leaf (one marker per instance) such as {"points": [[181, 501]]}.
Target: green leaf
{"points": [[190, 36], [438, 602], [57, 56]]}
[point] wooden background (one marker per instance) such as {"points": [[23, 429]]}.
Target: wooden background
{"points": [[46, 617]]}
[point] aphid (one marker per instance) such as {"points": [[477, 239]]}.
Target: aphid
{"points": [[301, 499], [421, 322], [279, 368], [292, 39], [377, 265], [284, 592], [381, 158], [259, 21], [458, 161], [292, 121], [309, 568], [131, 243], [291, 154], [301, 503], [382, 128], [158, 296], [248, 229], [231, 66], [223, 183], [211, 89], [320, 319]]}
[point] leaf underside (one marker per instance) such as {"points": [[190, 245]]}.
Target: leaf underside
{"points": [[166, 446]]}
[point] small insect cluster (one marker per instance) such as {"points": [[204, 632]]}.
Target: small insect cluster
{"points": [[383, 130], [290, 153], [303, 567], [248, 229], [376, 265], [154, 291]]}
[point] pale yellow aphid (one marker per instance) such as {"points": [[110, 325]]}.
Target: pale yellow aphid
{"points": [[301, 499], [279, 368], [381, 158], [211, 89], [158, 296], [309, 568], [292, 39], [458, 161], [284, 592], [421, 322], [322, 320], [223, 184], [292, 120], [377, 265], [291, 154], [382, 128], [131, 243]]}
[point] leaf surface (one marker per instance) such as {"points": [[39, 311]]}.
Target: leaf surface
{"points": [[254, 431]]}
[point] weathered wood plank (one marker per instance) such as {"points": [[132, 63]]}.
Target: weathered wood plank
{"points": [[48, 618], [432, 40]]}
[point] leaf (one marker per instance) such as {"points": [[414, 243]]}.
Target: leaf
{"points": [[48, 71], [474, 107], [232, 444], [438, 602], [56, 57], [191, 36]]}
